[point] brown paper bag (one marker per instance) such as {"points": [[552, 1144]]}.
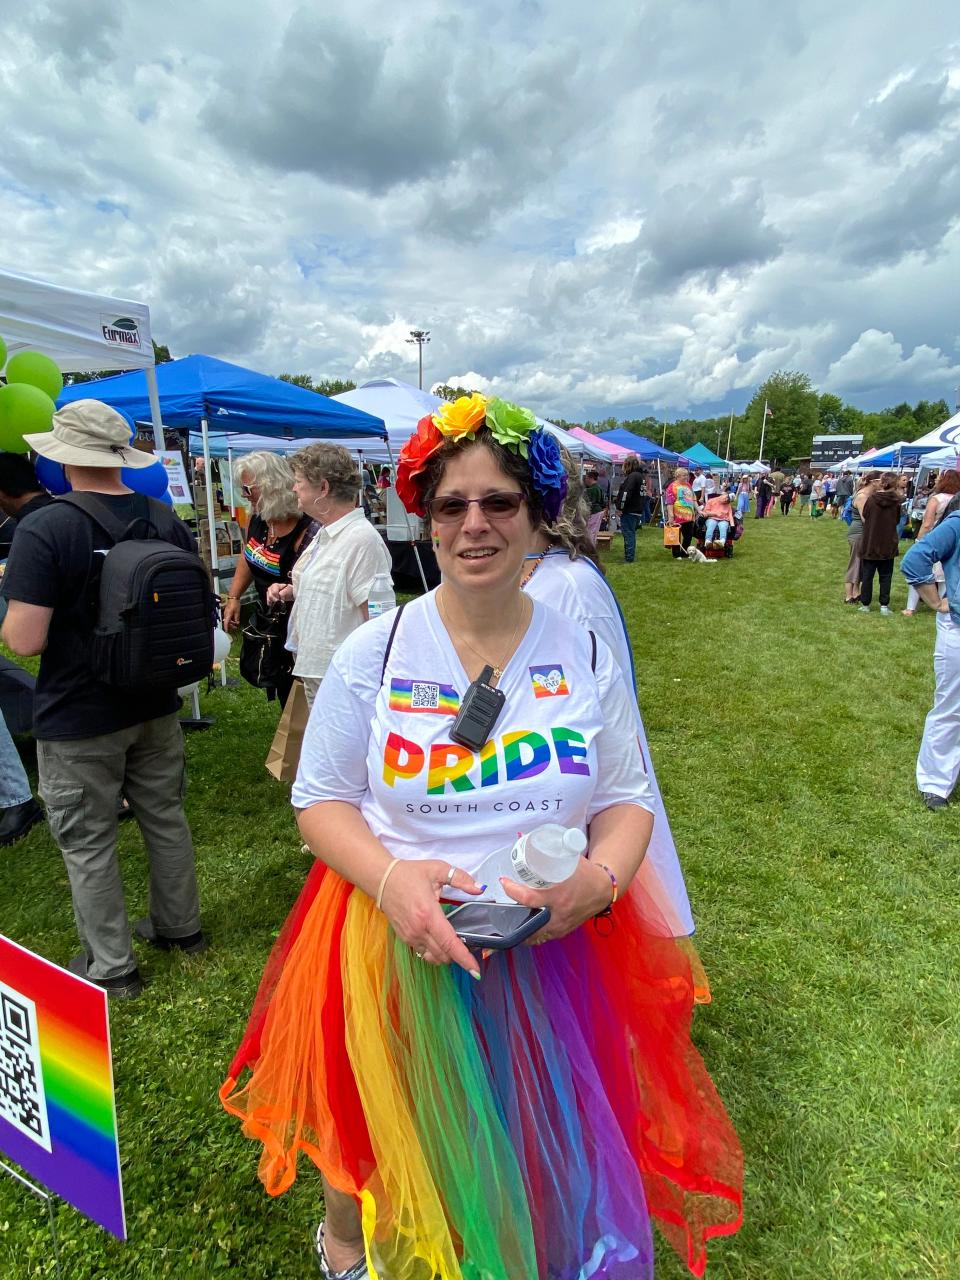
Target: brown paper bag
{"points": [[671, 535], [284, 754]]}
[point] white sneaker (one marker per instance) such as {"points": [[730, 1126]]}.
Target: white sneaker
{"points": [[885, 610], [864, 608]]}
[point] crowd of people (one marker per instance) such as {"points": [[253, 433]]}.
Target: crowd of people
{"points": [[630, 1128], [395, 1053]]}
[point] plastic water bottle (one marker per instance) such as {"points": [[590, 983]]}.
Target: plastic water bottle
{"points": [[547, 855], [541, 858], [381, 598]]}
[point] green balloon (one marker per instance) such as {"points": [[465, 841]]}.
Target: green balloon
{"points": [[3, 353], [33, 369], [23, 409]]}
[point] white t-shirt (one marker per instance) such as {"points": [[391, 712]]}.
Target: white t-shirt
{"points": [[563, 750], [331, 583], [578, 591], [698, 483]]}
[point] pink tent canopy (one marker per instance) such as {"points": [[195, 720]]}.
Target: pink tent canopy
{"points": [[616, 455]]}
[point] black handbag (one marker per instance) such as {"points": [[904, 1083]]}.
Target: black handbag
{"points": [[264, 661]]}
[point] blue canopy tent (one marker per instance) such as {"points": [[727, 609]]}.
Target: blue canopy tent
{"points": [[645, 449], [902, 454], [199, 389]]}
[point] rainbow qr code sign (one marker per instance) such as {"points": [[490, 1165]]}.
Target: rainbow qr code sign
{"points": [[57, 1115]]}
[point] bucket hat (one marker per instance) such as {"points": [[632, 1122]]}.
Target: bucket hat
{"points": [[89, 433]]}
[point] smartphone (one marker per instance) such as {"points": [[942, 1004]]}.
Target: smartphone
{"points": [[492, 925]]}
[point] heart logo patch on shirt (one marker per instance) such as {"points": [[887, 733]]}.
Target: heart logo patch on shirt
{"points": [[548, 681]]}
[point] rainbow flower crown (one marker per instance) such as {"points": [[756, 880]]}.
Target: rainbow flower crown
{"points": [[509, 424]]}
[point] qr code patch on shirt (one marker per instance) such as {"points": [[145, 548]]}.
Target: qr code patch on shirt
{"points": [[425, 697], [22, 1100]]}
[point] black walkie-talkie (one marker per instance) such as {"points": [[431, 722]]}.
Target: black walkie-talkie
{"points": [[479, 712]]}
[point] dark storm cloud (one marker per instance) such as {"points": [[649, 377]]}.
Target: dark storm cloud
{"points": [[912, 214], [80, 34], [373, 112], [704, 231], [913, 107], [347, 106]]}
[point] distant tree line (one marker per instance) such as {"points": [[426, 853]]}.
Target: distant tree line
{"points": [[161, 355], [323, 386], [797, 414]]}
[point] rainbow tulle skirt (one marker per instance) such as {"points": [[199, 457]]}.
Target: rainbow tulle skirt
{"points": [[525, 1127]]}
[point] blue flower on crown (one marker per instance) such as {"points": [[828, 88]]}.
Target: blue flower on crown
{"points": [[547, 471]]}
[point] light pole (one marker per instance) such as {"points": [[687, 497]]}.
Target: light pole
{"points": [[419, 336]]}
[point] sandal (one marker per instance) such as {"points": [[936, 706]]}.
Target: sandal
{"points": [[357, 1272], [907, 613]]}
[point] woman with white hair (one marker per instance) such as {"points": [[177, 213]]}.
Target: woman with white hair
{"points": [[277, 535], [332, 581]]}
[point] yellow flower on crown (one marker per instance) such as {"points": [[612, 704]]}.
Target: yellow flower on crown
{"points": [[462, 417]]}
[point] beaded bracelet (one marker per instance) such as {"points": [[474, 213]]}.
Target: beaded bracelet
{"points": [[616, 889]]}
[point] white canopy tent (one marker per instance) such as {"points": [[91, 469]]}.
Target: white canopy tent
{"points": [[81, 332], [941, 459], [948, 433], [401, 406]]}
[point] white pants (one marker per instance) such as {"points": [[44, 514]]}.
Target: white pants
{"points": [[938, 764]]}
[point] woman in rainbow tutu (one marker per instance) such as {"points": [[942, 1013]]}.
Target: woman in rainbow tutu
{"points": [[515, 1116]]}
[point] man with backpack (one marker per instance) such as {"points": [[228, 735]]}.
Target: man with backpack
{"points": [[107, 587]]}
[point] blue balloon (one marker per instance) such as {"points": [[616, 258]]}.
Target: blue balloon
{"points": [[149, 480], [52, 476]]}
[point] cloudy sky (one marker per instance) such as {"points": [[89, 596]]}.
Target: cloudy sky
{"points": [[595, 209]]}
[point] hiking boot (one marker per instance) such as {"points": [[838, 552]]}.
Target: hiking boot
{"points": [[125, 987], [192, 944]]}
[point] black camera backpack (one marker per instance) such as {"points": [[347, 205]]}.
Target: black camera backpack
{"points": [[155, 608]]}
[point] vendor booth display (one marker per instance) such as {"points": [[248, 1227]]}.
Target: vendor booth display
{"points": [[199, 390]]}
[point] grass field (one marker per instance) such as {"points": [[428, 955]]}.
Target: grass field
{"points": [[784, 727]]}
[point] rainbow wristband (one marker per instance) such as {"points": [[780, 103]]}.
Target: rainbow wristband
{"points": [[616, 889]]}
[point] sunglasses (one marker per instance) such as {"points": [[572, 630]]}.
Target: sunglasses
{"points": [[495, 506]]}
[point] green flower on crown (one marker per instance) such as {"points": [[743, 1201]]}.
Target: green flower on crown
{"points": [[510, 425]]}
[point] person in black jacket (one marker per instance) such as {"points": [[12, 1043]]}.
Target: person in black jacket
{"points": [[631, 501]]}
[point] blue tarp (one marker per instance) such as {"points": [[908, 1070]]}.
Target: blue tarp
{"points": [[645, 449], [231, 399]]}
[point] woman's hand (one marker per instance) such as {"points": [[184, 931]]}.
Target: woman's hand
{"points": [[411, 902], [231, 615], [275, 593], [587, 892]]}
